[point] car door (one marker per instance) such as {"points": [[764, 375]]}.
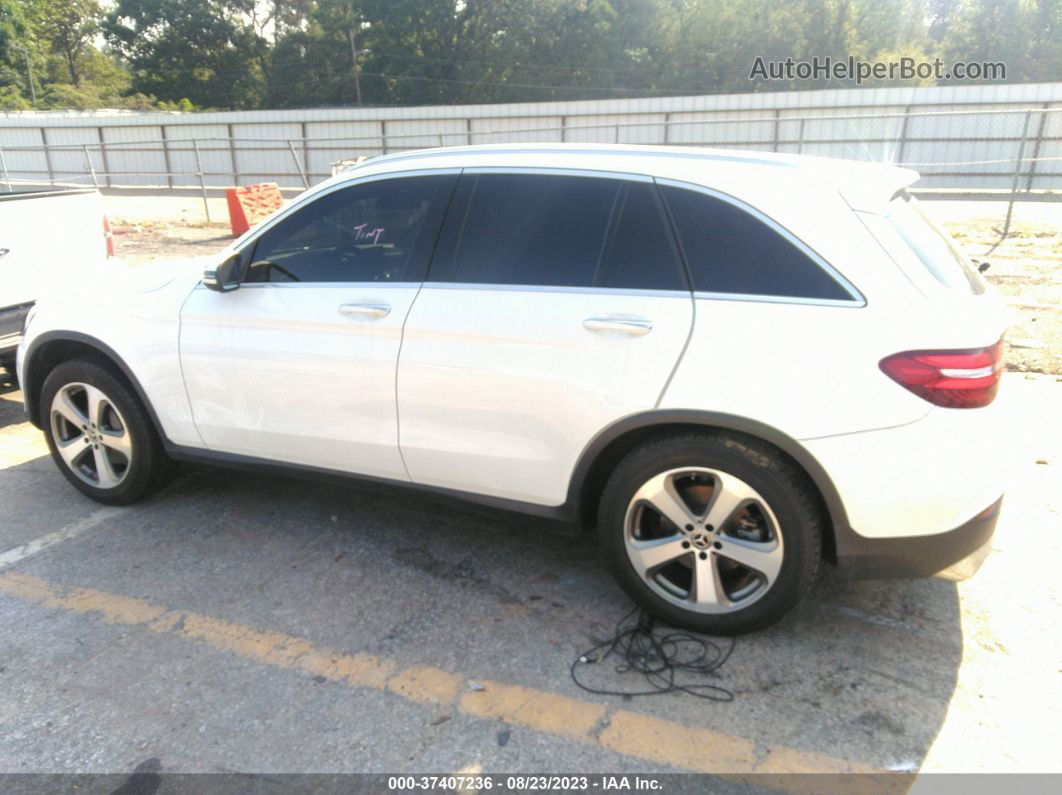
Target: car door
{"points": [[298, 364], [555, 305]]}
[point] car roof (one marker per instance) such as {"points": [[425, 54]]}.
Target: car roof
{"points": [[748, 175]]}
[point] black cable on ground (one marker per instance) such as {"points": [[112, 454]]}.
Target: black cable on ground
{"points": [[669, 660]]}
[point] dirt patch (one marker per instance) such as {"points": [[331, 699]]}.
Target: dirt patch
{"points": [[145, 242]]}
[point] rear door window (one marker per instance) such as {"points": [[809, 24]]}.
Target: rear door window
{"points": [[557, 231], [528, 229], [640, 252]]}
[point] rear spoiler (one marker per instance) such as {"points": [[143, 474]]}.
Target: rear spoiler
{"points": [[869, 187]]}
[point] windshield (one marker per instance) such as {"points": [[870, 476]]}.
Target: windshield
{"points": [[932, 246]]}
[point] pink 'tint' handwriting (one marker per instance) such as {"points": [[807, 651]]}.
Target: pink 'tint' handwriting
{"points": [[361, 233]]}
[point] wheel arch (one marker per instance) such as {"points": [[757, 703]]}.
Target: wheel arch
{"points": [[52, 348], [606, 449]]}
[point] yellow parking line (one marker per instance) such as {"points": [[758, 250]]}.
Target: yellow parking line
{"points": [[619, 730]]}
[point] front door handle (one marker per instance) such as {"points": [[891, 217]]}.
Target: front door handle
{"points": [[633, 326], [365, 310], [4, 252]]}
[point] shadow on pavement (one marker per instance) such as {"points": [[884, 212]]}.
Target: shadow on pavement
{"points": [[11, 412]]}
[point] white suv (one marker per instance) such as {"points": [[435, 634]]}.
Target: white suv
{"points": [[734, 364]]}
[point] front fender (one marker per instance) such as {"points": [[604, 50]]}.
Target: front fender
{"points": [[138, 333]]}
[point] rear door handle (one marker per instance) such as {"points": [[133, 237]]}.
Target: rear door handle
{"points": [[4, 252], [633, 326], [365, 310]]}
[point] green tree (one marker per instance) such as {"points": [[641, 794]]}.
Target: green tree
{"points": [[297, 53], [990, 30], [69, 26], [203, 50], [1045, 50], [18, 45]]}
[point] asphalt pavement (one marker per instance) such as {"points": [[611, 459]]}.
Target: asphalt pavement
{"points": [[252, 623]]}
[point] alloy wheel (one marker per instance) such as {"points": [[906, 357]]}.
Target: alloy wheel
{"points": [[91, 436], [703, 539]]}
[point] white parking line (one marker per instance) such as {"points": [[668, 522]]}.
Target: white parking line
{"points": [[72, 530]]}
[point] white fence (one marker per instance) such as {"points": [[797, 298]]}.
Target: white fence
{"points": [[999, 137]]}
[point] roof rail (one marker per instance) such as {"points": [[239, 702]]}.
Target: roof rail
{"points": [[722, 155]]}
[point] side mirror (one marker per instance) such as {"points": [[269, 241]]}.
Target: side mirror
{"points": [[225, 277]]}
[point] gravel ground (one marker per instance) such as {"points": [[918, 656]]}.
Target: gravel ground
{"points": [[1024, 268]]}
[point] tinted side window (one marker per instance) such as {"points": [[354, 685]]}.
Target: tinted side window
{"points": [[731, 251], [640, 252], [531, 229], [374, 232]]}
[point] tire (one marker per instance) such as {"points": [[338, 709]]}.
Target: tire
{"points": [[684, 575], [135, 464]]}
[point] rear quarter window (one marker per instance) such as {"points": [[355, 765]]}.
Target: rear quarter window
{"points": [[731, 251]]}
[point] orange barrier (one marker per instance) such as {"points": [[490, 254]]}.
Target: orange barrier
{"points": [[249, 205]]}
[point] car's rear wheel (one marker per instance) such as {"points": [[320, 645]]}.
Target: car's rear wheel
{"points": [[713, 533], [100, 435]]}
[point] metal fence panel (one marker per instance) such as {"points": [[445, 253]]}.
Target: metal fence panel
{"points": [[517, 129], [642, 128], [329, 141], [961, 137], [747, 127], [24, 154], [414, 134], [135, 156], [215, 155], [1047, 174]]}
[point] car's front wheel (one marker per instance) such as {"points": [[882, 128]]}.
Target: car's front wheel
{"points": [[100, 435], [713, 533]]}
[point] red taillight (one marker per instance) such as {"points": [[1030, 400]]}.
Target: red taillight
{"points": [[107, 236], [966, 379]]}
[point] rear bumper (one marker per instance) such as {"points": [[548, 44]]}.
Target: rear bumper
{"points": [[923, 478], [955, 555]]}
